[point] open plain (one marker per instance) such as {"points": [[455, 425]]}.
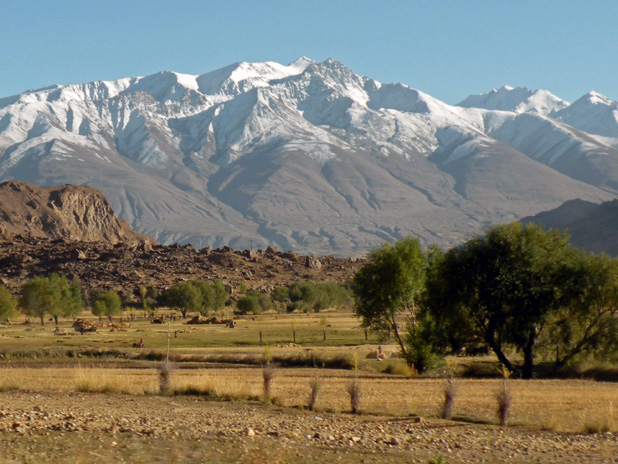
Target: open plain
{"points": [[94, 397]]}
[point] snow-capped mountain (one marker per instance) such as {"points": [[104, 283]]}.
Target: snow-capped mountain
{"points": [[592, 113], [516, 99], [309, 157]]}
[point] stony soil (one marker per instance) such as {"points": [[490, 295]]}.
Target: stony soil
{"points": [[182, 421], [125, 267]]}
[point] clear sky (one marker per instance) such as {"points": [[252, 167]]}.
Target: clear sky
{"points": [[448, 49]]}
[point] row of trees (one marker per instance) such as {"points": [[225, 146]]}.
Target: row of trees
{"points": [[54, 296], [515, 287], [197, 296], [300, 296]]}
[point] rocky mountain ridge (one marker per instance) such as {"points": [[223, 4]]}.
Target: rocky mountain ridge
{"points": [[309, 157]]}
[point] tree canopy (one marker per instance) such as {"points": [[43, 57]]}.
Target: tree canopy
{"points": [[391, 283], [107, 304], [513, 287], [519, 286], [197, 296], [8, 304], [51, 295]]}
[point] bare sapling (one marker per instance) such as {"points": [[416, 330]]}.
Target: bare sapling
{"points": [[268, 373], [450, 391], [315, 386], [165, 378], [504, 398], [354, 390]]}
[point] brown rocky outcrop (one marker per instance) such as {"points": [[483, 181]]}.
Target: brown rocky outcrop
{"points": [[72, 213]]}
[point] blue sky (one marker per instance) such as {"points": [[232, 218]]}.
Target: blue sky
{"points": [[449, 49]]}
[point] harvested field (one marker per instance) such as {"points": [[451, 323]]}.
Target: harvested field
{"points": [[96, 398]]}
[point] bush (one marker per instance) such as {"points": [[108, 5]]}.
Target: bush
{"points": [[268, 373], [354, 390], [308, 296], [504, 400], [315, 386], [165, 378], [450, 391], [422, 351], [281, 294]]}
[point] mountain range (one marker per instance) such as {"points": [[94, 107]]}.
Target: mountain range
{"points": [[311, 156]]}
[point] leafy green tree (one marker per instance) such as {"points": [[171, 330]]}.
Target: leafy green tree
{"points": [[281, 294], [8, 304], [249, 304], [586, 325], [184, 296], [390, 284], [143, 292], [499, 289], [107, 304], [220, 295], [73, 301], [51, 295], [424, 352]]}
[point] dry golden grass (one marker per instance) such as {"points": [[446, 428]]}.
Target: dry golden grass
{"points": [[561, 405]]}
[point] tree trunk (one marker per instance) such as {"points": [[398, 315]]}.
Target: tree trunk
{"points": [[56, 320], [528, 357], [42, 319], [398, 337], [501, 356]]}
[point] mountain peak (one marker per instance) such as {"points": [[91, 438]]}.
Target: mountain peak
{"points": [[301, 62], [595, 98], [516, 99]]}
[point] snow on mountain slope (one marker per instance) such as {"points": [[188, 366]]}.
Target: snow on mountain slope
{"points": [[593, 113], [516, 99], [310, 156]]}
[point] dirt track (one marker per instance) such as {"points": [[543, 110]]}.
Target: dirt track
{"points": [[181, 423]]}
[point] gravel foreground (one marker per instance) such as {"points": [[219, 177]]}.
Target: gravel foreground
{"points": [[37, 427]]}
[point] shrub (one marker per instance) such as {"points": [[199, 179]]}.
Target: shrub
{"points": [[504, 400], [354, 390], [315, 386], [450, 391], [165, 375], [254, 302], [248, 304], [281, 294], [268, 373], [398, 368]]}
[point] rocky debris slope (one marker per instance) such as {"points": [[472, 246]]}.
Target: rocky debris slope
{"points": [[70, 212], [125, 267], [185, 419]]}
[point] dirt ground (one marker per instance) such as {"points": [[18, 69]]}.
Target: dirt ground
{"points": [[53, 427]]}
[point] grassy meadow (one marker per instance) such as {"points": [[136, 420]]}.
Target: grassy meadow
{"points": [[221, 362]]}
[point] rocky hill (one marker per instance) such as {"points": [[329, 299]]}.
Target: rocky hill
{"points": [[126, 266], [593, 227], [72, 213]]}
